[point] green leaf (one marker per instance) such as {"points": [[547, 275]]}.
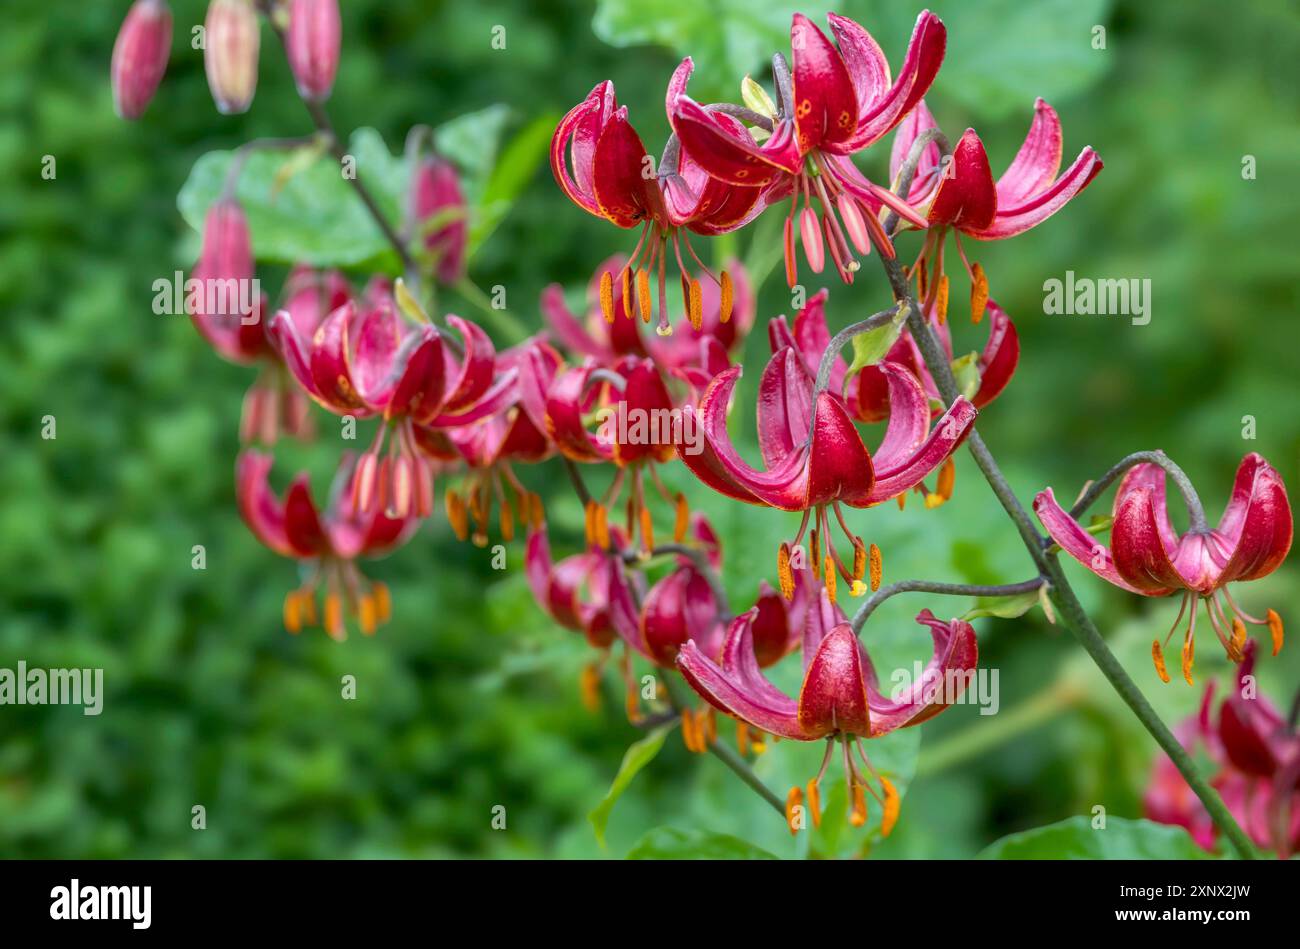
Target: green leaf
{"points": [[872, 346], [1003, 607], [1075, 839], [1043, 49], [638, 755], [519, 162], [727, 38], [967, 372], [668, 843], [316, 216]]}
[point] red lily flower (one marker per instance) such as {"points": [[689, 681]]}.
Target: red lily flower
{"points": [[515, 433], [961, 194], [695, 355], [144, 42], [838, 102], [612, 179], [436, 196], [1257, 754], [369, 361], [679, 608], [840, 697], [967, 198], [813, 453], [1147, 556], [869, 394], [327, 542]]}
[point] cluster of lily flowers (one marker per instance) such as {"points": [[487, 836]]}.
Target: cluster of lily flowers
{"points": [[452, 408]]}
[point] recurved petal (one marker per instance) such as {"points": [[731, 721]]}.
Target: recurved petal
{"points": [[901, 470], [1257, 524], [966, 198], [1016, 219], [1000, 357], [331, 365], [1077, 542], [729, 154], [825, 105], [566, 406], [925, 53], [577, 134], [738, 687], [474, 375], [261, 509], [950, 670], [1141, 557], [909, 130], [834, 694], [1035, 166], [302, 524], [620, 189]]}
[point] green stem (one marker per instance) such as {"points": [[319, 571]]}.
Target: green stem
{"points": [[1062, 594], [947, 589]]}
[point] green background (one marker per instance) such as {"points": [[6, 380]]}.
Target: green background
{"points": [[468, 699]]}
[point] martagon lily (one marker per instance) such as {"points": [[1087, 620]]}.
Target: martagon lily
{"points": [[328, 541], [1147, 556], [958, 193], [834, 103], [600, 162], [815, 459], [840, 699]]}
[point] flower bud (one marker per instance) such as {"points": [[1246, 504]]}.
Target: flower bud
{"points": [[225, 265], [312, 43], [230, 54], [439, 202], [140, 56]]}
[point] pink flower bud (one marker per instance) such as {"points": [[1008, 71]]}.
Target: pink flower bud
{"points": [[225, 265], [140, 56], [439, 201], [313, 46], [230, 54]]}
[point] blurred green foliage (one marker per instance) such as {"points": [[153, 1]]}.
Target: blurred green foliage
{"points": [[469, 699]]}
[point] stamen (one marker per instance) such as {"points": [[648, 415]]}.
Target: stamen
{"points": [[943, 490], [829, 579], [643, 294], [742, 738], [627, 291], [600, 522], [708, 720], [334, 615], [589, 523], [794, 809], [1275, 629], [859, 558], [507, 520], [922, 278], [815, 803], [877, 567], [456, 514], [815, 551], [682, 522], [1187, 660], [589, 687], [383, 601], [758, 741], [690, 731], [696, 308], [891, 808], [631, 695], [979, 293], [607, 296], [858, 815], [1238, 638], [1158, 657], [810, 234], [783, 571], [293, 612], [647, 528], [902, 501], [941, 301], [366, 613], [728, 298]]}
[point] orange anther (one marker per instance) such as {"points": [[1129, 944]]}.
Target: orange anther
{"points": [[1275, 629], [1158, 657], [979, 293]]}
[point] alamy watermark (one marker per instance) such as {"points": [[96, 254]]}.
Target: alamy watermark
{"points": [[174, 296], [1084, 296], [952, 687], [634, 426], [23, 686]]}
